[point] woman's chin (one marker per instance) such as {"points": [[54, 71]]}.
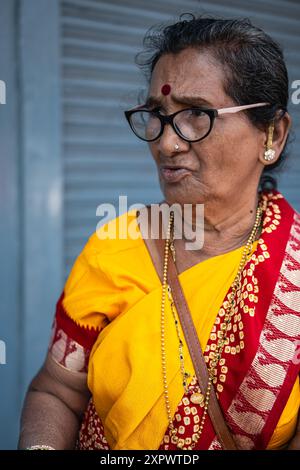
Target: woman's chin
{"points": [[182, 195]]}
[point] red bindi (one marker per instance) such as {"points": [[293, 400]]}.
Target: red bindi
{"points": [[165, 89]]}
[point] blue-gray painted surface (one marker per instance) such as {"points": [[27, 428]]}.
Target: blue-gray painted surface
{"points": [[10, 265], [31, 196], [41, 174]]}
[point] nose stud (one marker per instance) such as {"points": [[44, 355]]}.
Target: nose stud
{"points": [[176, 147]]}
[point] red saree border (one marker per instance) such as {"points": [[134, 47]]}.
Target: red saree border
{"points": [[263, 394], [84, 336], [273, 371], [67, 352], [70, 344]]}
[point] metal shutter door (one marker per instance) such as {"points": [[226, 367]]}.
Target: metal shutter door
{"points": [[102, 159]]}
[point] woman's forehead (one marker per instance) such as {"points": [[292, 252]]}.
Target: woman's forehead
{"points": [[189, 73], [185, 72]]}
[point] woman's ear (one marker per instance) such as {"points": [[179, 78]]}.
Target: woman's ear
{"points": [[276, 136]]}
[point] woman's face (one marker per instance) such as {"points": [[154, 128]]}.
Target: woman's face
{"points": [[224, 163]]}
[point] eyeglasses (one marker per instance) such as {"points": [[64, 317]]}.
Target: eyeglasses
{"points": [[191, 125]]}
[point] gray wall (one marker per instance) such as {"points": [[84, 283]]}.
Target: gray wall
{"points": [[65, 148], [31, 270], [10, 279]]}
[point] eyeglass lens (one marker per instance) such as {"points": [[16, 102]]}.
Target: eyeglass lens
{"points": [[191, 124]]}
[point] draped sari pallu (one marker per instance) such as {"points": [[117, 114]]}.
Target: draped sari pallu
{"points": [[271, 348], [257, 373]]}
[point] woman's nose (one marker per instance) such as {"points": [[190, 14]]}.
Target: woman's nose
{"points": [[170, 143]]}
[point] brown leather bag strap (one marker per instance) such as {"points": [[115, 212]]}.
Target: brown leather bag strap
{"points": [[156, 250]]}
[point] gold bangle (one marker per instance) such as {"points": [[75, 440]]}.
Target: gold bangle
{"points": [[40, 447]]}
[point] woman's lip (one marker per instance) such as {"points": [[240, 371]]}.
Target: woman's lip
{"points": [[172, 175]]}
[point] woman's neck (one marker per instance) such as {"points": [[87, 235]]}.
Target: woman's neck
{"points": [[222, 231]]}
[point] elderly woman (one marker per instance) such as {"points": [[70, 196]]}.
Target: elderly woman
{"points": [[121, 371]]}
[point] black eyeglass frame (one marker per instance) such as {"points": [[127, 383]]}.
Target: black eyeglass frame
{"points": [[169, 119]]}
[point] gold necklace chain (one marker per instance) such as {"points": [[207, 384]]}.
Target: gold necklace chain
{"points": [[185, 375], [236, 285]]}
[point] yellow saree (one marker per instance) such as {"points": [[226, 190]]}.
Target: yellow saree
{"points": [[115, 281]]}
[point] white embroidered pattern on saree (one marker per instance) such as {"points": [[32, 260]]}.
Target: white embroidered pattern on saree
{"points": [[67, 352], [259, 391]]}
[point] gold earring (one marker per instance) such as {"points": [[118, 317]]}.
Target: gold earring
{"points": [[269, 154]]}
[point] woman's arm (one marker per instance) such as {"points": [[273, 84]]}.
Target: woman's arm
{"points": [[53, 408]]}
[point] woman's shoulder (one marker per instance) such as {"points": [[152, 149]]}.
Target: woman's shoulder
{"points": [[102, 278], [116, 235]]}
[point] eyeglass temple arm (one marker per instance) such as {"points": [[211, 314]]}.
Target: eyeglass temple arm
{"points": [[236, 109]]}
